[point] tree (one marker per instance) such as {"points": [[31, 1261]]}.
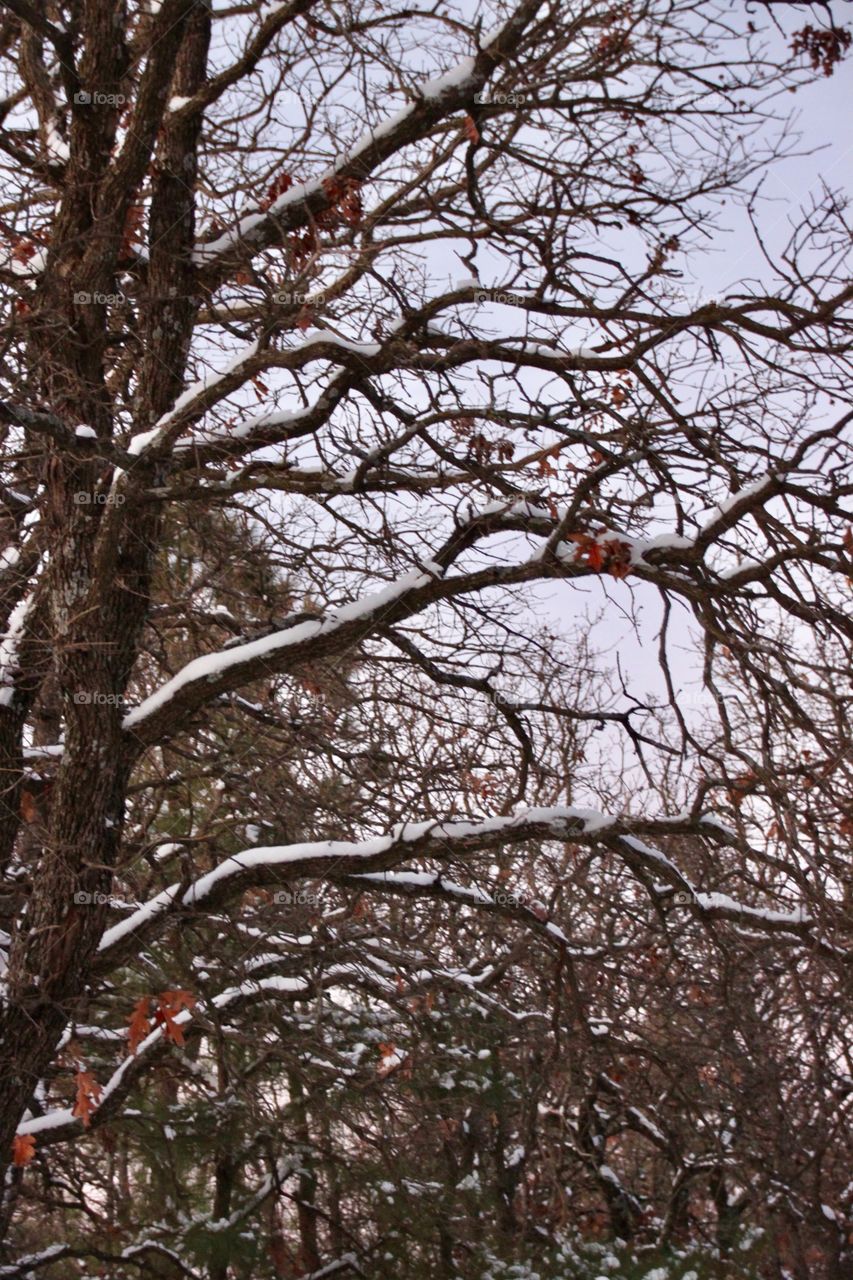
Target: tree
{"points": [[302, 801]]}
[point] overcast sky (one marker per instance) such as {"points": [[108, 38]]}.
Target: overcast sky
{"points": [[824, 111]]}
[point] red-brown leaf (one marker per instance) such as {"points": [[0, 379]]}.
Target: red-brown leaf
{"points": [[169, 1006], [88, 1093], [23, 1148], [140, 1023], [472, 133]]}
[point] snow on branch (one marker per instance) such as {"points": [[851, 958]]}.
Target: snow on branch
{"points": [[206, 677], [435, 99], [340, 859], [61, 1123], [207, 669]]}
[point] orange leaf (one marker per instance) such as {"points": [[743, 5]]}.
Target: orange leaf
{"points": [[29, 808], [472, 133], [169, 1006], [88, 1093], [140, 1024], [177, 1000], [277, 188], [23, 1148], [351, 204], [132, 229], [388, 1059], [619, 563], [595, 557]]}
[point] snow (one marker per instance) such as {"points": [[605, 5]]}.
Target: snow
{"points": [[728, 832], [465, 893], [209, 379], [32, 267], [282, 855], [19, 1268], [144, 913], [167, 850], [648, 1126], [57, 148], [257, 987], [212, 665], [456, 78], [663, 541], [9, 648], [259, 422], [176, 102], [248, 226], [748, 491], [722, 902], [494, 34], [62, 1116], [52, 752], [561, 820], [9, 557], [327, 336], [85, 433]]}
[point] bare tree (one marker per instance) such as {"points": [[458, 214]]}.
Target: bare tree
{"points": [[337, 339]]}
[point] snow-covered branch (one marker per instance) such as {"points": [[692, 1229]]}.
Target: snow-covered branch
{"points": [[336, 859]]}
